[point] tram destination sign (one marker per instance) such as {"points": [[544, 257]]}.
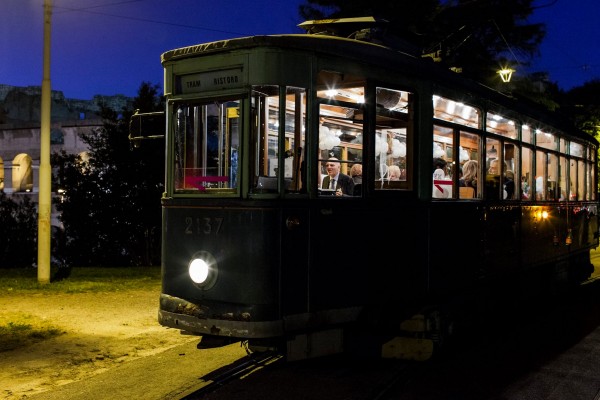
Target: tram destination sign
{"points": [[210, 81]]}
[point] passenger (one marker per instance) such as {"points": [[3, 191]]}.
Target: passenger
{"points": [[509, 184], [441, 190], [494, 168], [492, 181], [469, 178], [335, 180], [524, 188], [439, 168], [394, 173], [356, 174]]}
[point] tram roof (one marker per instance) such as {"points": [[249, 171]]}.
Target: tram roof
{"points": [[360, 51]]}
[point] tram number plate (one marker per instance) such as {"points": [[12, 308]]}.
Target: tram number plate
{"points": [[203, 225]]}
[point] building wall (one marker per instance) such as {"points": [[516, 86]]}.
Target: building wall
{"points": [[20, 129]]}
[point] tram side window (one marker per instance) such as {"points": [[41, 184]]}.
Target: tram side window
{"points": [[562, 178], [341, 114], [511, 173], [206, 147], [580, 180], [443, 160], [495, 167], [447, 179], [552, 179], [540, 166], [278, 137], [526, 173], [590, 194], [394, 127], [469, 166]]}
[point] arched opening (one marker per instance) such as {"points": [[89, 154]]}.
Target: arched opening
{"points": [[22, 173]]}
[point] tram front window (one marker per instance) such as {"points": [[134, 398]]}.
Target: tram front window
{"points": [[206, 142], [278, 117]]}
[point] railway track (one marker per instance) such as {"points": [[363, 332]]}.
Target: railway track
{"points": [[241, 369]]}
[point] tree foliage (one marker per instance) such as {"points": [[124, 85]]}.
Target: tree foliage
{"points": [[111, 208], [477, 37], [18, 219], [583, 104]]}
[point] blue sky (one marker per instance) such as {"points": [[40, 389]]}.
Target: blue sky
{"points": [[110, 46]]}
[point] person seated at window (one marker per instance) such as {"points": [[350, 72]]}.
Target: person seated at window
{"points": [[394, 173], [492, 181], [356, 174], [439, 168], [524, 188], [442, 184], [509, 184], [336, 181], [469, 177]]}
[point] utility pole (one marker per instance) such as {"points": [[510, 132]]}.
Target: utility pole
{"points": [[45, 201]]}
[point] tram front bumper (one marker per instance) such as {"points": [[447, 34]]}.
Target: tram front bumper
{"points": [[194, 319]]}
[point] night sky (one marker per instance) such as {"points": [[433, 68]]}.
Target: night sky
{"points": [[109, 47]]}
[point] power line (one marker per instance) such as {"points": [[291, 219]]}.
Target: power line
{"points": [[88, 10]]}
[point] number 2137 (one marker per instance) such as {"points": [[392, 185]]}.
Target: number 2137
{"points": [[204, 225]]}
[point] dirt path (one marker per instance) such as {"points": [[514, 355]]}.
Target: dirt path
{"points": [[101, 331]]}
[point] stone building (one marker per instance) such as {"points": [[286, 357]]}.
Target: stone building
{"points": [[20, 109]]}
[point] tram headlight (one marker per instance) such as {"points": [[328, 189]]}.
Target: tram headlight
{"points": [[203, 270]]}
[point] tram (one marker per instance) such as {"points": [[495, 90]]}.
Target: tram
{"points": [[255, 248]]}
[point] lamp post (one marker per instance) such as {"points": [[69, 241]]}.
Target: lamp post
{"points": [[44, 202]]}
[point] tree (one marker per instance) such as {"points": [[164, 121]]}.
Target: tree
{"points": [[18, 218], [111, 208], [477, 37], [583, 104]]}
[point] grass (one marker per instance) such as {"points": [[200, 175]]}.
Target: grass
{"points": [[18, 330], [81, 280]]}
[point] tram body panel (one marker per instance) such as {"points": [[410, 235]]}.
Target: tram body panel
{"points": [[466, 218], [246, 287], [379, 270], [501, 238]]}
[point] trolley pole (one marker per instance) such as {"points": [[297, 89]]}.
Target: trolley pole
{"points": [[45, 175]]}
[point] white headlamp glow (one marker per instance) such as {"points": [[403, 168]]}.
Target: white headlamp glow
{"points": [[203, 269]]}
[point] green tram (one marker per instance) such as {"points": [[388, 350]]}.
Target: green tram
{"points": [[256, 249]]}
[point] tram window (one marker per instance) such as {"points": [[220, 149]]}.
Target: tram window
{"points": [[501, 125], [590, 182], [562, 178], [526, 174], [540, 165], [546, 140], [278, 138], [443, 142], [393, 128], [341, 115], [552, 180], [455, 111], [563, 145], [206, 147], [575, 149], [511, 163], [469, 152], [580, 180], [526, 135], [494, 169]]}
